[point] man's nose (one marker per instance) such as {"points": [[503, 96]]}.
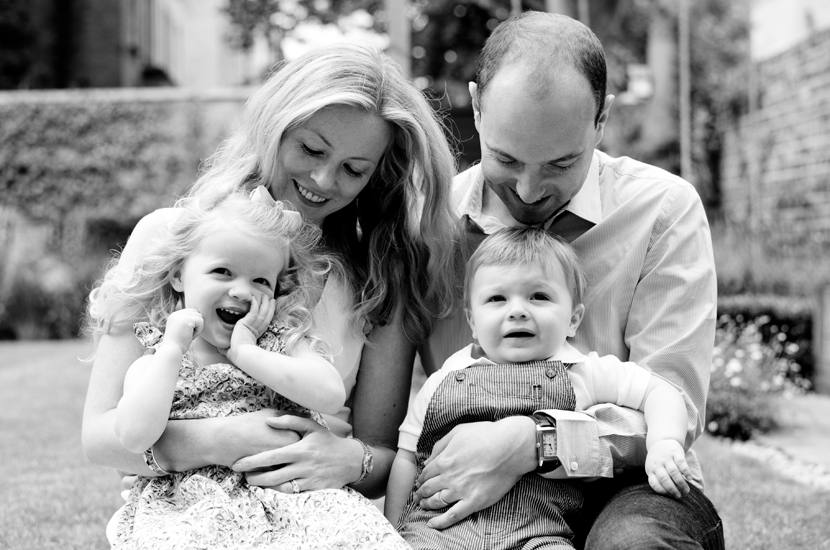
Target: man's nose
{"points": [[529, 186]]}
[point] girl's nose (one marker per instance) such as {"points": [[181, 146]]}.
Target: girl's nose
{"points": [[241, 291]]}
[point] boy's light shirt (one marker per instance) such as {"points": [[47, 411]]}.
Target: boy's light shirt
{"points": [[587, 371]]}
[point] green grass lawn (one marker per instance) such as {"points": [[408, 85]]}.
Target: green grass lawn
{"points": [[54, 499]]}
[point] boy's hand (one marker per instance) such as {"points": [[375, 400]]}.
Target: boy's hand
{"points": [[183, 326], [248, 329], [667, 468]]}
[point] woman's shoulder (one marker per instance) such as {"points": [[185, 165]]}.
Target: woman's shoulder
{"points": [[146, 231]]}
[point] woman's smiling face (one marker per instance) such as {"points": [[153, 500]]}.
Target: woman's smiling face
{"points": [[324, 163]]}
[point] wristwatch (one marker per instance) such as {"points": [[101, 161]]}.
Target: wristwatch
{"points": [[545, 443]]}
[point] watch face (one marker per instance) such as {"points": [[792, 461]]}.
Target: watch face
{"points": [[549, 445]]}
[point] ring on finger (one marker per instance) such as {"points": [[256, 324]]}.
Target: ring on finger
{"points": [[294, 486]]}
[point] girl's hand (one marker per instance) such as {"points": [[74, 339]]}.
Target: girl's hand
{"points": [[248, 329], [667, 468], [182, 327], [320, 460]]}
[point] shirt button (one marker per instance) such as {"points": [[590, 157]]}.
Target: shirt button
{"points": [[550, 373], [574, 466], [460, 376]]}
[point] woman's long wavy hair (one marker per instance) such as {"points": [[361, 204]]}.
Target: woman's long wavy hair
{"points": [[146, 293], [399, 239]]}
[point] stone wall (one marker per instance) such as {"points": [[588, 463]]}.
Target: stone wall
{"points": [[775, 171]]}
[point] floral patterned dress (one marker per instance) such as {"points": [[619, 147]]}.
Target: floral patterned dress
{"points": [[213, 507]]}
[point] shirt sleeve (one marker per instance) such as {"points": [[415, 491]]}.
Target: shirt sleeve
{"points": [[670, 332]]}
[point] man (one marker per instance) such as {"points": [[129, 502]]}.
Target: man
{"points": [[540, 109]]}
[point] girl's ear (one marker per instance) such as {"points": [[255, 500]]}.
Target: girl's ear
{"points": [[176, 282]]}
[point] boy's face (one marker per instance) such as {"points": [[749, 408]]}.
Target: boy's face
{"points": [[521, 313]]}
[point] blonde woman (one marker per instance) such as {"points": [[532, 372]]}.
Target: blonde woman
{"points": [[345, 138]]}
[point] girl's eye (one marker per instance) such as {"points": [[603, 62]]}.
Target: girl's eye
{"points": [[309, 151], [262, 281], [540, 296], [496, 298], [222, 271]]}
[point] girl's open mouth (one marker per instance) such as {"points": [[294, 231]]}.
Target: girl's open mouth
{"points": [[228, 316]]}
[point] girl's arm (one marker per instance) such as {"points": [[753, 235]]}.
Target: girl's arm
{"points": [[304, 377], [401, 479], [322, 460], [143, 410]]}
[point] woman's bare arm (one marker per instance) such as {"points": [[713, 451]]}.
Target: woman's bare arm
{"points": [[381, 396]]}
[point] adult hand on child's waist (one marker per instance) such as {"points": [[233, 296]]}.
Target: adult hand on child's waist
{"points": [[474, 466]]}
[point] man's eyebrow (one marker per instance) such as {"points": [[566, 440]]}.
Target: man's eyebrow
{"points": [[564, 158]]}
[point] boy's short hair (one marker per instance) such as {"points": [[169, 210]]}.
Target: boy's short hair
{"points": [[527, 246]]}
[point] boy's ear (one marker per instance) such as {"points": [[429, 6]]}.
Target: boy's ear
{"points": [[470, 322], [176, 282], [576, 318]]}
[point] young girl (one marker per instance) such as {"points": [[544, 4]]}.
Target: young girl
{"points": [[523, 299], [208, 291]]}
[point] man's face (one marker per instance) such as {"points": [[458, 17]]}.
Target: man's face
{"points": [[536, 149]]}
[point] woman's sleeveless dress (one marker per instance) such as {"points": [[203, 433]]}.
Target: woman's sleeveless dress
{"points": [[213, 507]]}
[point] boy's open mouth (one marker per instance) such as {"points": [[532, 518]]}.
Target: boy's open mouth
{"points": [[228, 316], [519, 334]]}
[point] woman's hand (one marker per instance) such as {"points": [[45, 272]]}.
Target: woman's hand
{"points": [[320, 460], [474, 466]]}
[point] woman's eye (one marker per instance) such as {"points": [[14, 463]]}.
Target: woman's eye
{"points": [[309, 151], [352, 172]]}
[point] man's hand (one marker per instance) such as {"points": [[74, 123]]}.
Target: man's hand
{"points": [[474, 466], [667, 468]]}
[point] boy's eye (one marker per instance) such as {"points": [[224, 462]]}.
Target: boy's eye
{"points": [[540, 296], [221, 271], [496, 298]]}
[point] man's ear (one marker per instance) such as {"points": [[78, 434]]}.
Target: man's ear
{"points": [[576, 318], [603, 118], [470, 322], [176, 282], [473, 87]]}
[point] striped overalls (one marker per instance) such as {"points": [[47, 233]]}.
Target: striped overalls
{"points": [[532, 514]]}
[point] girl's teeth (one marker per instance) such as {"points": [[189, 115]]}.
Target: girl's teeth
{"points": [[309, 195]]}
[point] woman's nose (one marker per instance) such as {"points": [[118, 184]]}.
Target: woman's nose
{"points": [[324, 176]]}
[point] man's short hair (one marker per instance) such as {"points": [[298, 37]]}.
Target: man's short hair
{"points": [[544, 41], [527, 246]]}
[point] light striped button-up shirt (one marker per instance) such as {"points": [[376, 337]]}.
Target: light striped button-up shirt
{"points": [[643, 238]]}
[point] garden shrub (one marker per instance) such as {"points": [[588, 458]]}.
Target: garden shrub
{"points": [[80, 162], [759, 343]]}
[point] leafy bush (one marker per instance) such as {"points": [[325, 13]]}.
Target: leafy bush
{"points": [[755, 361]]}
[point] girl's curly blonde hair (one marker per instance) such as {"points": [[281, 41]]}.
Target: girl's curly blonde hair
{"points": [[146, 293]]}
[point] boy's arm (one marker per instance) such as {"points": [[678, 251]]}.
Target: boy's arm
{"points": [[666, 418], [143, 410], [401, 480]]}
